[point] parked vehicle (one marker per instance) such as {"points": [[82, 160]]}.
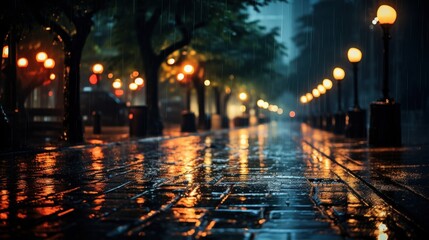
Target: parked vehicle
{"points": [[113, 111]]}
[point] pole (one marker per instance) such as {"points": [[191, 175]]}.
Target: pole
{"points": [[386, 38], [188, 97], [339, 96], [355, 86]]}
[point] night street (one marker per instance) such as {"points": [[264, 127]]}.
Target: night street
{"points": [[277, 181]]}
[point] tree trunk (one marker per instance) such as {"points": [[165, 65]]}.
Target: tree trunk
{"points": [[154, 123], [73, 127], [216, 91], [199, 87]]}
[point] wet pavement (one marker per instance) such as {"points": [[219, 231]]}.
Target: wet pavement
{"points": [[277, 181]]}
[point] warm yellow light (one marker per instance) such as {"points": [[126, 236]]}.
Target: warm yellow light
{"points": [[97, 68], [52, 76], [117, 83], [41, 56], [303, 99], [227, 90], [309, 97], [207, 82], [49, 63], [133, 86], [260, 103], [22, 62], [5, 52], [110, 75], [339, 73], [316, 93], [242, 96], [280, 111], [327, 83], [189, 69], [386, 14], [321, 88], [171, 61], [273, 108], [266, 105], [354, 55], [242, 108], [139, 81], [180, 76], [135, 73]]}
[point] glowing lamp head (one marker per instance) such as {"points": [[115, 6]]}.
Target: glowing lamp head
{"points": [[321, 88], [117, 83], [22, 62], [327, 83], [242, 96], [354, 55], [386, 14], [171, 61], [97, 68], [315, 93], [339, 73], [303, 99], [189, 69], [180, 77], [49, 63], [309, 97], [207, 83], [41, 57], [139, 81], [133, 86]]}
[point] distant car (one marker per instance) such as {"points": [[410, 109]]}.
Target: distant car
{"points": [[113, 111]]}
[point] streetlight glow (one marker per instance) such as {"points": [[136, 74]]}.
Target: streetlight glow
{"points": [[316, 93], [117, 83], [207, 82], [52, 76], [243, 96], [327, 83], [171, 61], [309, 97], [260, 103], [133, 86], [189, 69], [41, 57], [339, 73], [354, 55], [49, 63], [22, 62], [386, 14], [180, 76], [303, 99], [139, 81], [97, 68], [322, 90]]}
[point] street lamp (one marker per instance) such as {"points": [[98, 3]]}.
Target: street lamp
{"points": [[385, 113], [188, 117], [98, 69], [339, 117], [327, 84], [356, 117]]}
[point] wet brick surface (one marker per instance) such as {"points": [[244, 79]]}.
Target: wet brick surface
{"points": [[256, 183]]}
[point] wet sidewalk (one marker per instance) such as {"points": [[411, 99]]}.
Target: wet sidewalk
{"points": [[272, 181]]}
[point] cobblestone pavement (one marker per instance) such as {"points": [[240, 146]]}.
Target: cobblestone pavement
{"points": [[264, 182]]}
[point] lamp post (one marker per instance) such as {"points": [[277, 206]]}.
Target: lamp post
{"points": [[304, 101], [327, 84], [356, 117], [339, 117], [385, 113], [188, 117], [322, 91]]}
